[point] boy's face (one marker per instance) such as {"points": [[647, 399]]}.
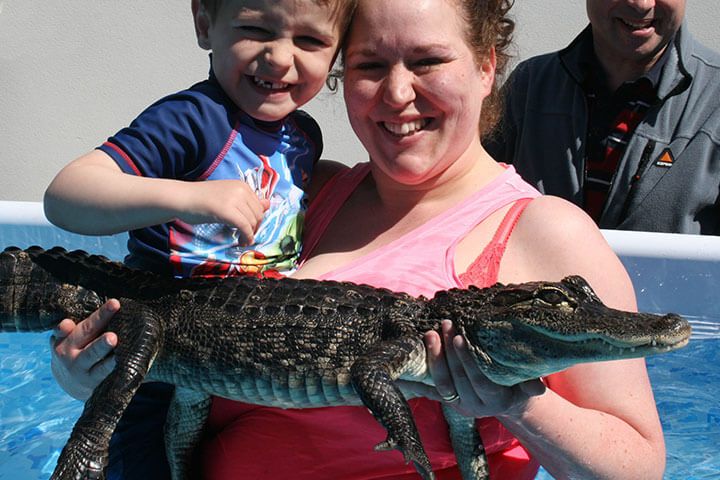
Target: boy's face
{"points": [[270, 57]]}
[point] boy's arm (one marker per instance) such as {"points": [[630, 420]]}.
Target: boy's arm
{"points": [[93, 196]]}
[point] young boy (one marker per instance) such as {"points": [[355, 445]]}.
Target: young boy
{"points": [[240, 129]]}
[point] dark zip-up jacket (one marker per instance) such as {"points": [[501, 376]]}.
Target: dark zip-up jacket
{"points": [[669, 177]]}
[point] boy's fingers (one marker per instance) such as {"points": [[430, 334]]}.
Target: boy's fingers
{"points": [[93, 326], [96, 352], [61, 331], [103, 368]]}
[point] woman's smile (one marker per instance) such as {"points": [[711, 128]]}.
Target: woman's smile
{"points": [[407, 128]]}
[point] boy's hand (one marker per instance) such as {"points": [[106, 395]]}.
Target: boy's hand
{"points": [[81, 354], [231, 202]]}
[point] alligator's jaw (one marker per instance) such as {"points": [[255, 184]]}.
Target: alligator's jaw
{"points": [[530, 352], [535, 329]]}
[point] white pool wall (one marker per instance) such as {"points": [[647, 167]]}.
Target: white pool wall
{"points": [[624, 243]]}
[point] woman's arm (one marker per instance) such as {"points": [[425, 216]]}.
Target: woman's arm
{"points": [[92, 196], [595, 420]]}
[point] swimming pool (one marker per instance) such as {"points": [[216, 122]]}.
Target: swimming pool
{"points": [[670, 273]]}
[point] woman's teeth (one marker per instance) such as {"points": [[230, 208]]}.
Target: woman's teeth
{"points": [[269, 85], [406, 128]]}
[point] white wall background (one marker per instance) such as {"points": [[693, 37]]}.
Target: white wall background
{"points": [[74, 72]]}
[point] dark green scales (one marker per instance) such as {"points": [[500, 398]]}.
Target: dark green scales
{"points": [[304, 343]]}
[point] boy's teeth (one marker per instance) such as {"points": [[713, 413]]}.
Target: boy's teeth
{"points": [[271, 85], [404, 128]]}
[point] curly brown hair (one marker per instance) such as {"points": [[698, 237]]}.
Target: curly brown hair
{"points": [[489, 26]]}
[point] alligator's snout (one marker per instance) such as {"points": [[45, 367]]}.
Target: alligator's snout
{"points": [[673, 331]]}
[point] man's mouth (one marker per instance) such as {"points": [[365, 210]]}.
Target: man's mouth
{"points": [[269, 85], [406, 128], [637, 24]]}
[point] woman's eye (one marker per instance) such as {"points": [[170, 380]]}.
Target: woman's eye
{"points": [[428, 62], [365, 66]]}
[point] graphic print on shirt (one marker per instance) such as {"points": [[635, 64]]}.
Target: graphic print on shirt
{"points": [[214, 250]]}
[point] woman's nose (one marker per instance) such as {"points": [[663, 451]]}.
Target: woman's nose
{"points": [[399, 89]]}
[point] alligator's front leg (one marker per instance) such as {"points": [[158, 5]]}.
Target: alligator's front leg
{"points": [[85, 455], [467, 445], [183, 429], [373, 377]]}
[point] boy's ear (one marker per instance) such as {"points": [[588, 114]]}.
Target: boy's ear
{"points": [[202, 24]]}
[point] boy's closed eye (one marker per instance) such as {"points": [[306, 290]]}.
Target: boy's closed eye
{"points": [[310, 42], [254, 31]]}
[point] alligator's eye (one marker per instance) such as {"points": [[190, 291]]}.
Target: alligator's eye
{"points": [[553, 296], [511, 298]]}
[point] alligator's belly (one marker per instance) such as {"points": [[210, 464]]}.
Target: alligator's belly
{"points": [[281, 389]]}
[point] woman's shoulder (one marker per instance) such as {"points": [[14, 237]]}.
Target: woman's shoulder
{"points": [[554, 219], [323, 171], [326, 172], [555, 238]]}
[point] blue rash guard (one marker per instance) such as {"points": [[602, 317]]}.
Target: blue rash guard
{"points": [[199, 134]]}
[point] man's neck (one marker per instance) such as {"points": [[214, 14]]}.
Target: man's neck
{"points": [[619, 72]]}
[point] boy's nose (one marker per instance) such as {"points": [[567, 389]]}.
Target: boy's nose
{"points": [[279, 55], [398, 88]]}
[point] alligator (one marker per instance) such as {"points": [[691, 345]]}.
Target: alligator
{"points": [[305, 343]]}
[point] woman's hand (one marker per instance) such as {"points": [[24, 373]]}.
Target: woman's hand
{"points": [[460, 383], [81, 352]]}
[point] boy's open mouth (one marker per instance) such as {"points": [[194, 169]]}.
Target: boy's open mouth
{"points": [[269, 85]]}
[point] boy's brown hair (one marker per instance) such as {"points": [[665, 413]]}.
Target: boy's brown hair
{"points": [[341, 11]]}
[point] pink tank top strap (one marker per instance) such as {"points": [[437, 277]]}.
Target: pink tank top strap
{"points": [[486, 266]]}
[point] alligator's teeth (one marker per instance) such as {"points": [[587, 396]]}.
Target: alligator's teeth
{"points": [[406, 128], [269, 85]]}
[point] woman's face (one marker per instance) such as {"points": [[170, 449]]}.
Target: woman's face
{"points": [[413, 87]]}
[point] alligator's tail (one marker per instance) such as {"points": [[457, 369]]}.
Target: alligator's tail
{"points": [[31, 299]]}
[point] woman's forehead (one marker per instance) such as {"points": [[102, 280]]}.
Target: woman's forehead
{"points": [[398, 20]]}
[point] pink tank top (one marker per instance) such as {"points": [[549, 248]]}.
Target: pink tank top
{"points": [[250, 441]]}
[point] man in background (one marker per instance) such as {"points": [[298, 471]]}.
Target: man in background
{"points": [[625, 121]]}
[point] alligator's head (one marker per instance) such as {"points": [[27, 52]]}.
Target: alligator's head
{"points": [[529, 330]]}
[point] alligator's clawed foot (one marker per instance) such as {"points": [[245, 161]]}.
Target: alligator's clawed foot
{"points": [[74, 465], [413, 452]]}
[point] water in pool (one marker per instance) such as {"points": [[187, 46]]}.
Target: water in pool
{"points": [[36, 416]]}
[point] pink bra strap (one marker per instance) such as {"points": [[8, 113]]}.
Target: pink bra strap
{"points": [[484, 270]]}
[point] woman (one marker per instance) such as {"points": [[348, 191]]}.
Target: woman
{"points": [[432, 211]]}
